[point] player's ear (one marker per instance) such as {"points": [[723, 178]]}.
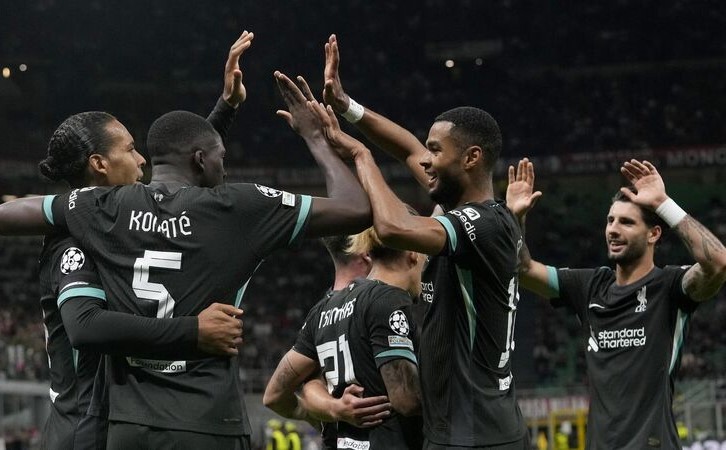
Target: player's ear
{"points": [[199, 160], [654, 233], [472, 156], [98, 165], [412, 259]]}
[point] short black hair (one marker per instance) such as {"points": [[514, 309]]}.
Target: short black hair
{"points": [[76, 138], [177, 132], [649, 217], [474, 126], [336, 246]]}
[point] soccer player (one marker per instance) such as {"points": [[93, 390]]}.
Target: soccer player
{"points": [[637, 313], [168, 248], [470, 282], [95, 149], [362, 334], [286, 381]]}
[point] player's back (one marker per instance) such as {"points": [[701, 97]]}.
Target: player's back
{"points": [[354, 336], [164, 254]]}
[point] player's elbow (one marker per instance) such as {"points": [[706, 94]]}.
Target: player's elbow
{"points": [[271, 399], [407, 404]]}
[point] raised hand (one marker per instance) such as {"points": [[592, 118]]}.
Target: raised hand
{"points": [[520, 195], [344, 144], [299, 116], [234, 91], [220, 329], [648, 182], [333, 93]]}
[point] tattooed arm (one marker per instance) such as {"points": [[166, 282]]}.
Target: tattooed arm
{"points": [[705, 278], [404, 391], [280, 395]]}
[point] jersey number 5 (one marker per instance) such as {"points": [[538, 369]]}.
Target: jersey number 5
{"points": [[147, 290]]}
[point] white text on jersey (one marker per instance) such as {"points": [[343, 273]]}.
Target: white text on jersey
{"points": [[334, 315], [150, 223]]}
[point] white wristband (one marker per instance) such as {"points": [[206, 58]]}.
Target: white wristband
{"points": [[670, 212], [355, 111]]}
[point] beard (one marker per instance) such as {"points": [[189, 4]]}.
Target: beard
{"points": [[447, 192], [633, 252]]}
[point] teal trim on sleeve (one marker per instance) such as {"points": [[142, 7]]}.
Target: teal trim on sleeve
{"points": [[449, 227], [305, 203], [48, 208], [553, 281], [81, 292], [408, 354]]}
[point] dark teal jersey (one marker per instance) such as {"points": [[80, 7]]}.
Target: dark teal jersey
{"points": [[162, 254], [633, 351], [467, 337], [65, 269], [352, 333]]}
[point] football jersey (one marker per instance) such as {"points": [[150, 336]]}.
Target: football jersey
{"points": [[467, 336], [163, 254], [65, 271], [352, 334], [633, 351]]}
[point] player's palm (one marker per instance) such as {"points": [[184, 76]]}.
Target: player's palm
{"points": [[648, 182], [333, 93], [521, 196]]}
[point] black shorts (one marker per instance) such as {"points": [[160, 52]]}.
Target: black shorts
{"points": [[522, 444], [59, 431], [124, 436], [91, 433]]}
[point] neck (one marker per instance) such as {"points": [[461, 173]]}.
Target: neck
{"points": [[344, 275], [478, 192], [167, 175], [391, 276], [630, 273]]}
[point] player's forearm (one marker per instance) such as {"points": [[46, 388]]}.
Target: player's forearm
{"points": [[23, 217], [343, 188], [317, 402], [394, 140], [222, 117], [90, 326], [402, 386], [705, 248], [391, 218]]}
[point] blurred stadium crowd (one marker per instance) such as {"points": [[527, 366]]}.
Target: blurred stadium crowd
{"points": [[586, 76]]}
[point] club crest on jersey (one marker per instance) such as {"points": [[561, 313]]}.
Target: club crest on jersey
{"points": [[399, 323], [642, 301], [268, 191], [73, 259]]}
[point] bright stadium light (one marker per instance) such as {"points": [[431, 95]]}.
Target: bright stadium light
{"points": [[6, 72], [23, 67], [449, 63]]}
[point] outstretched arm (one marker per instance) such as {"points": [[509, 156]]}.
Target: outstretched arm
{"points": [[395, 226], [346, 210], [351, 407], [23, 217], [389, 136], [234, 91], [89, 325], [705, 278], [521, 198]]}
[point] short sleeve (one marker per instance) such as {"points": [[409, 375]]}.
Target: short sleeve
{"points": [[571, 286], [390, 326], [270, 218], [74, 272], [676, 292]]}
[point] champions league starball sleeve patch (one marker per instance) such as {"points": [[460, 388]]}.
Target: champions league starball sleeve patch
{"points": [[73, 259], [399, 323], [268, 191]]}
